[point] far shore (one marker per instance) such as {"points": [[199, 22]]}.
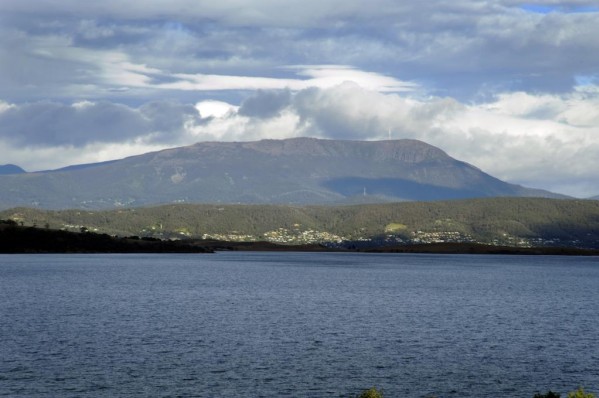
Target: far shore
{"points": [[17, 239], [430, 248], [479, 248]]}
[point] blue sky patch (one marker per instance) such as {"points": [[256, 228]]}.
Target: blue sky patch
{"points": [[546, 9], [538, 9]]}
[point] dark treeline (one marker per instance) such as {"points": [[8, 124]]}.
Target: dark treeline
{"points": [[17, 239]]}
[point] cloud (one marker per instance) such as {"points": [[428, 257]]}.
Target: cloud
{"points": [[215, 109], [49, 158], [317, 76], [350, 111], [231, 12], [460, 48], [579, 109], [48, 124], [66, 69], [265, 104]]}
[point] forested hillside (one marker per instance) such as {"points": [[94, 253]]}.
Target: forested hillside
{"points": [[514, 221]]}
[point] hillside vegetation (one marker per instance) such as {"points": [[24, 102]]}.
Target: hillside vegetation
{"points": [[508, 221]]}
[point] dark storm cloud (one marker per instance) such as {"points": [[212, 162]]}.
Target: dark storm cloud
{"points": [[169, 117], [47, 124], [265, 104]]}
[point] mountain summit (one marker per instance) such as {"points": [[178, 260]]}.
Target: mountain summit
{"points": [[293, 171], [10, 169]]}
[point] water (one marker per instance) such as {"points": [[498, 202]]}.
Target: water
{"points": [[297, 325]]}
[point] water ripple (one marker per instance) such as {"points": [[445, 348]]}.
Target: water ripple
{"points": [[297, 325]]}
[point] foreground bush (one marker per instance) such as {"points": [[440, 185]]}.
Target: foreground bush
{"points": [[580, 394], [371, 393], [550, 394]]}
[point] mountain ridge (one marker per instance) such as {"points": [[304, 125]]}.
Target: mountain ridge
{"points": [[299, 171], [10, 169]]}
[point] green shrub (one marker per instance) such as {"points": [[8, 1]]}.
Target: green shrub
{"points": [[371, 393], [580, 394]]}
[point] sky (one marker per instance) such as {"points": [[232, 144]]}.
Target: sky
{"points": [[509, 86]]}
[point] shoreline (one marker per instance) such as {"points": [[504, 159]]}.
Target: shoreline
{"points": [[428, 248], [31, 240]]}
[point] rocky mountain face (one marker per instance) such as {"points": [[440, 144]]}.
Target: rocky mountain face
{"points": [[293, 171]]}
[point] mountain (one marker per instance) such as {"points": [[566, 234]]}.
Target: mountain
{"points": [[10, 169], [292, 171]]}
